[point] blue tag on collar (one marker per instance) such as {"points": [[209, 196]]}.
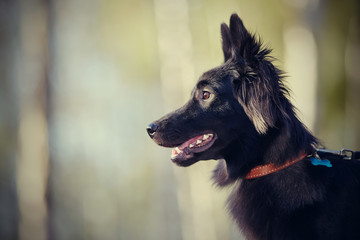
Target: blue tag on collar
{"points": [[323, 162]]}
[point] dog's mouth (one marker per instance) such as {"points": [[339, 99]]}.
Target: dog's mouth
{"points": [[194, 145]]}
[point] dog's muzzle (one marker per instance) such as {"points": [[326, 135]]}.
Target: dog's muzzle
{"points": [[151, 129]]}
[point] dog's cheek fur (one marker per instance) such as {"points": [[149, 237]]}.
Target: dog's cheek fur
{"points": [[256, 102]]}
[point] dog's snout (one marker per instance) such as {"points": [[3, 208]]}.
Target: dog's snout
{"points": [[151, 129]]}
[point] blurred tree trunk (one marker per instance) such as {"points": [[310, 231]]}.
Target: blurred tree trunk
{"points": [[8, 126], [48, 111], [339, 102], [29, 83]]}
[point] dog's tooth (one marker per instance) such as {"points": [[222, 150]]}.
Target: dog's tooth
{"points": [[206, 136], [198, 141], [191, 145], [173, 153], [176, 151]]}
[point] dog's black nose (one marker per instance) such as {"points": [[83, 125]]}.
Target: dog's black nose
{"points": [[151, 129]]}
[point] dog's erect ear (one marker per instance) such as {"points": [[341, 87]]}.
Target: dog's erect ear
{"points": [[245, 45], [256, 90], [259, 86], [238, 31], [237, 41], [227, 44]]}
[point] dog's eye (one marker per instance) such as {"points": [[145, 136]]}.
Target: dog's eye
{"points": [[205, 95]]}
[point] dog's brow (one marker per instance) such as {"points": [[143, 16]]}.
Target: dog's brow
{"points": [[202, 83]]}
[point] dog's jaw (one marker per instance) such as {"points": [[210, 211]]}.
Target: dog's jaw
{"points": [[183, 155]]}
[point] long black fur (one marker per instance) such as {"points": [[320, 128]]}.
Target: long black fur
{"points": [[255, 124]]}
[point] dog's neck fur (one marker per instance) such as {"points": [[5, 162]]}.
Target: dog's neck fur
{"points": [[278, 145]]}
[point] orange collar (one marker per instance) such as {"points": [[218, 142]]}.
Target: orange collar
{"points": [[266, 169]]}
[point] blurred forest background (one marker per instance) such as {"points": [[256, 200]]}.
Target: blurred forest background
{"points": [[81, 79]]}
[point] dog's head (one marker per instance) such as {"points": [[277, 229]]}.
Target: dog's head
{"points": [[242, 97]]}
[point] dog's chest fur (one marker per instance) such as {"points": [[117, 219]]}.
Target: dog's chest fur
{"points": [[298, 203]]}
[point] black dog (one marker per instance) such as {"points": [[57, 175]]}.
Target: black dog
{"points": [[240, 112]]}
